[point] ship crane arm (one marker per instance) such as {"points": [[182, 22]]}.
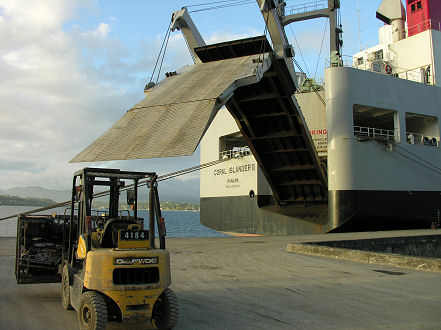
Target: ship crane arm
{"points": [[272, 11], [329, 12], [181, 20]]}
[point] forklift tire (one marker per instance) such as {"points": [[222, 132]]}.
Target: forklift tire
{"points": [[92, 312], [165, 311], [65, 293]]}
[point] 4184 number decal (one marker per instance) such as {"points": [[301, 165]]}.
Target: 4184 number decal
{"points": [[134, 235]]}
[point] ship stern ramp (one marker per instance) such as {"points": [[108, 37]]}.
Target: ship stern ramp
{"points": [[258, 90], [174, 115]]}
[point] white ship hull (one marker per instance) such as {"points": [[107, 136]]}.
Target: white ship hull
{"points": [[374, 183]]}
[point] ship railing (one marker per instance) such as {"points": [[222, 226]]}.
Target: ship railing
{"points": [[420, 74], [411, 30], [429, 24], [376, 133], [375, 64], [422, 26], [421, 139], [306, 7], [236, 152], [344, 61]]}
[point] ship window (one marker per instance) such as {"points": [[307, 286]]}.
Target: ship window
{"points": [[232, 145], [375, 123], [378, 55], [416, 6], [376, 66], [360, 61], [422, 129]]}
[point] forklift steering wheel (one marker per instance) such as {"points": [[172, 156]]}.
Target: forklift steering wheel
{"points": [[100, 222]]}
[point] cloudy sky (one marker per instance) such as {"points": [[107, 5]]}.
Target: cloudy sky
{"points": [[71, 68]]}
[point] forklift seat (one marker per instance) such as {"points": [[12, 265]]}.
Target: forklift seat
{"points": [[109, 238]]}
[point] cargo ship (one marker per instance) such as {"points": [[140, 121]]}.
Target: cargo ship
{"points": [[293, 157]]}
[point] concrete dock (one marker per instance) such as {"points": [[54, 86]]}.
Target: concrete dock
{"points": [[253, 283]]}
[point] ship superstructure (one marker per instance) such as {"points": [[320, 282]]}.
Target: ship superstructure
{"points": [[293, 157], [377, 136]]}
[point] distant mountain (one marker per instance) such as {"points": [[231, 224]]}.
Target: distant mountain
{"points": [[38, 192], [28, 201], [170, 190]]}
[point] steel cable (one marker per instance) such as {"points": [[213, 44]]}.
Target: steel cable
{"points": [[140, 184], [163, 55], [300, 51], [321, 47], [233, 4], [211, 3], [167, 34], [416, 156], [265, 31], [434, 168], [316, 92]]}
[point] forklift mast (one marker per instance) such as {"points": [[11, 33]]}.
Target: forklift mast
{"points": [[83, 185], [56, 237]]}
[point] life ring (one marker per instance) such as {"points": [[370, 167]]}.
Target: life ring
{"points": [[388, 69]]}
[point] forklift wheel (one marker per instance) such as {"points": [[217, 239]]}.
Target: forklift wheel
{"points": [[165, 311], [65, 294], [92, 313]]}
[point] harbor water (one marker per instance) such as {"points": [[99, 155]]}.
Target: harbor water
{"points": [[178, 223]]}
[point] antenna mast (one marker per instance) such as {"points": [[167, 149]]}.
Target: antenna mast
{"points": [[359, 28]]}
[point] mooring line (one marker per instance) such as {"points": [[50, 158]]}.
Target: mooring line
{"points": [[140, 184]]}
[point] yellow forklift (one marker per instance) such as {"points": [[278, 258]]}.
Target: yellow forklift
{"points": [[109, 265]]}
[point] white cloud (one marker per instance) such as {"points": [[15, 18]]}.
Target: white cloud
{"points": [[62, 86], [60, 89], [39, 14], [220, 36], [177, 54], [101, 31]]}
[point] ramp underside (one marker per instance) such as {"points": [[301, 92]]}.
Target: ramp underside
{"points": [[274, 129], [232, 49], [174, 115]]}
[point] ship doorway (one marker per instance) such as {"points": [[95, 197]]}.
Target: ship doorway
{"points": [[422, 129], [233, 145], [376, 123]]}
